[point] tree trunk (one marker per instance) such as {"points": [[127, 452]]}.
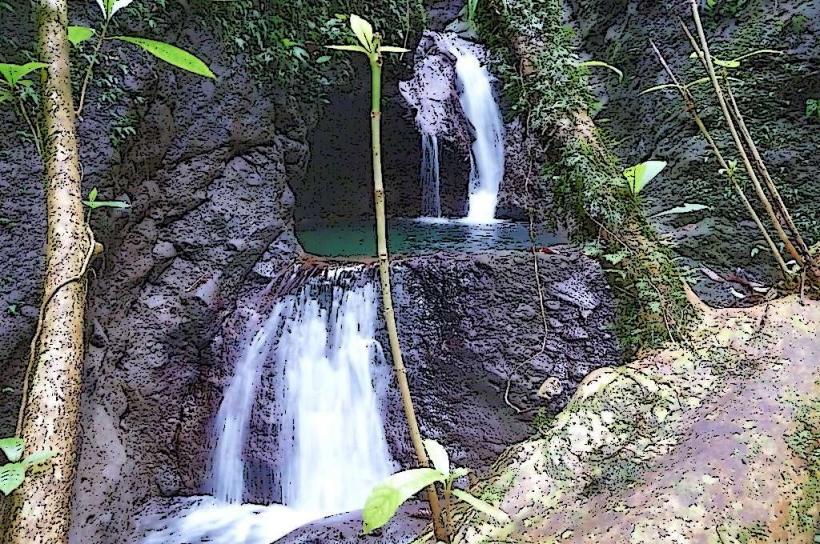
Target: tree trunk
{"points": [[387, 296], [39, 511]]}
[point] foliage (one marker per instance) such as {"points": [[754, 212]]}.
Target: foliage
{"points": [[728, 8], [638, 176], [92, 203], [13, 473], [283, 42], [602, 64], [813, 108], [387, 496], [171, 54], [543, 85]]}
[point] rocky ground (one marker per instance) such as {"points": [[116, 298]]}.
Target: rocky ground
{"points": [[715, 442]]}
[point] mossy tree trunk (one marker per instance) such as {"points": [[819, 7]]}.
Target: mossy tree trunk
{"points": [[39, 511]]}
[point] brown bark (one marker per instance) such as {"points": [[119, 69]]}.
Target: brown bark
{"points": [[39, 511]]}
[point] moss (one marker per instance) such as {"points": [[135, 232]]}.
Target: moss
{"points": [[805, 444], [543, 85]]}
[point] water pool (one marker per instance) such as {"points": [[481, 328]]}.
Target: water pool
{"points": [[418, 236]]}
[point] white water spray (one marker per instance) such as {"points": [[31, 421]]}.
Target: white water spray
{"points": [[330, 372], [487, 157], [332, 434], [430, 176]]}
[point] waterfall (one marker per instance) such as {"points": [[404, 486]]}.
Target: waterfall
{"points": [[329, 373], [233, 418], [332, 435], [487, 156], [430, 181]]}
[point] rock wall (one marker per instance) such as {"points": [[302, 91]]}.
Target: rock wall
{"points": [[772, 92]]}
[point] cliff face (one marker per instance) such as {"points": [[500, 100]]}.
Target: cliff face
{"points": [[772, 92], [213, 172]]}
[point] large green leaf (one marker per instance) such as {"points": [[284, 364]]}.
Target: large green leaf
{"points": [[11, 476], [363, 31], [438, 455], [357, 48], [171, 54], [79, 34], [12, 73], [640, 175], [13, 448], [384, 500], [483, 507]]}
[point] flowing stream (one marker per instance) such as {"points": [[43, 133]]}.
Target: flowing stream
{"points": [[487, 157], [329, 372], [430, 176]]}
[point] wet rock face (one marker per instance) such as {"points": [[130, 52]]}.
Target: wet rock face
{"points": [[471, 323], [655, 125], [207, 177]]}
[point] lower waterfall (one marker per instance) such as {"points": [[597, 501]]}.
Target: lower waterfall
{"points": [[329, 371]]}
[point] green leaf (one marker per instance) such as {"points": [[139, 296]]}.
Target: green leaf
{"points": [[94, 204], [459, 472], [686, 208], [719, 62], [483, 507], [357, 48], [438, 455], [659, 88], [12, 73], [386, 498], [11, 476], [363, 31], [759, 52], [171, 54], [79, 34], [110, 7], [392, 49], [92, 196], [603, 64], [640, 175], [13, 448], [323, 59], [6, 96], [39, 457]]}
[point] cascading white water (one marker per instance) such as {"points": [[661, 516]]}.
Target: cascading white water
{"points": [[430, 176], [232, 420], [330, 371], [487, 157], [332, 434]]}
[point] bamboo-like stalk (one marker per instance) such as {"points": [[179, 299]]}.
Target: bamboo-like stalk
{"points": [[39, 511], [387, 294], [706, 57], [764, 171], [691, 108]]}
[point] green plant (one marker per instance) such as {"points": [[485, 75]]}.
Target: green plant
{"points": [[163, 51], [640, 175], [14, 88], [369, 44], [387, 496], [92, 203], [13, 473], [813, 108], [602, 64]]}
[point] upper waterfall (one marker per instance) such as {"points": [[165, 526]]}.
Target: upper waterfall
{"points": [[487, 152]]}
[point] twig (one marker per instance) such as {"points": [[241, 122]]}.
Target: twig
{"points": [[767, 178], [705, 55], [35, 132], [90, 70], [691, 108], [39, 329]]}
